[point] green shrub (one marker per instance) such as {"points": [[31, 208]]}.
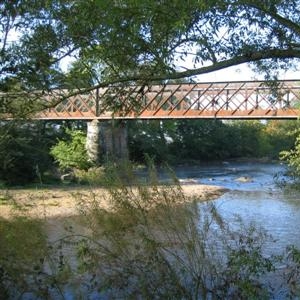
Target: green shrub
{"points": [[147, 242], [22, 246], [92, 176], [188, 140], [71, 153]]}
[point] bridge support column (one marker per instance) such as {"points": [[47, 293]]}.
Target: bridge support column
{"points": [[93, 141], [106, 141]]}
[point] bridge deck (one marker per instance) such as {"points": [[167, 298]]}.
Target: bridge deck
{"points": [[223, 100]]}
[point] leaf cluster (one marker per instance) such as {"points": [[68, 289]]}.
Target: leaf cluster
{"points": [[24, 151], [203, 140], [71, 153]]}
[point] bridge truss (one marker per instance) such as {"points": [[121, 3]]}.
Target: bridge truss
{"points": [[222, 100]]}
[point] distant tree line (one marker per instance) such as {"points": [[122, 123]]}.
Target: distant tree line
{"points": [[34, 151], [202, 140]]}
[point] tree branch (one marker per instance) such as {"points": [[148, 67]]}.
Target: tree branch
{"points": [[283, 21], [247, 58]]}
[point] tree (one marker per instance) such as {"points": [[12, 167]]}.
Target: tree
{"points": [[153, 138], [292, 156], [115, 42], [24, 151]]}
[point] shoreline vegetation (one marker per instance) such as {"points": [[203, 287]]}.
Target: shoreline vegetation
{"points": [[61, 148], [193, 162]]}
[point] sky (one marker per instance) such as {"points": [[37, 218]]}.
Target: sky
{"points": [[243, 73]]}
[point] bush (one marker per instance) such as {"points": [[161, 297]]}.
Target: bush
{"points": [[22, 246], [92, 176], [154, 242], [188, 140], [71, 153]]}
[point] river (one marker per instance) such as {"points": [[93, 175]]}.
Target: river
{"points": [[254, 195]]}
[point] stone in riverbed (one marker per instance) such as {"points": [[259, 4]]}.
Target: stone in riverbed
{"points": [[189, 181], [244, 179]]}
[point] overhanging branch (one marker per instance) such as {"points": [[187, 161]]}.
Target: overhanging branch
{"points": [[246, 58], [278, 18]]}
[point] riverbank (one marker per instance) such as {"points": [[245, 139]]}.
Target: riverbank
{"points": [[63, 202], [53, 220]]}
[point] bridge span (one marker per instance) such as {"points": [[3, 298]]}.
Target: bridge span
{"points": [[221, 100]]}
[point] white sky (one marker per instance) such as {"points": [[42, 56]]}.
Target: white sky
{"points": [[242, 73]]}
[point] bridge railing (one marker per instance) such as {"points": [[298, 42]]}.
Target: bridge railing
{"points": [[225, 100]]}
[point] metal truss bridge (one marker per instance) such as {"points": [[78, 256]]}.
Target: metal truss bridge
{"points": [[221, 100]]}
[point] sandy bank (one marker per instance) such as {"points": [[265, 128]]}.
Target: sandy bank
{"points": [[54, 202]]}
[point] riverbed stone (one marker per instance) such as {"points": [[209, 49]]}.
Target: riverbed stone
{"points": [[244, 179]]}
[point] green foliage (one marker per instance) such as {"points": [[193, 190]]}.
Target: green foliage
{"points": [[188, 140], [137, 41], [293, 274], [247, 138], [93, 176], [153, 242], [30, 266], [148, 242], [201, 139], [71, 153], [24, 151], [33, 240], [25, 146], [280, 135], [292, 157], [153, 138], [22, 245]]}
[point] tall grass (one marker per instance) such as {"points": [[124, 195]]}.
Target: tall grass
{"points": [[154, 242], [150, 242], [22, 249]]}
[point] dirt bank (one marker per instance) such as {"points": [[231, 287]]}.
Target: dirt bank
{"points": [[60, 202]]}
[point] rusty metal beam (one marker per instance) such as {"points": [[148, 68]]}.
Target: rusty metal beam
{"points": [[222, 100]]}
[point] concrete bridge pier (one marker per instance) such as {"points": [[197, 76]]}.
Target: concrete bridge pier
{"points": [[106, 140]]}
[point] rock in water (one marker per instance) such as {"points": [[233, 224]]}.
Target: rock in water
{"points": [[244, 179]]}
